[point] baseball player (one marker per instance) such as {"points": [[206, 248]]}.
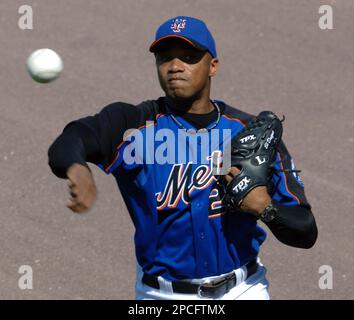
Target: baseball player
{"points": [[163, 154]]}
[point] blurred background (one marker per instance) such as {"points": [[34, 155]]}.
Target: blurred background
{"points": [[272, 55]]}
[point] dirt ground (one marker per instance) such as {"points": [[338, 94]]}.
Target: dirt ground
{"points": [[273, 55]]}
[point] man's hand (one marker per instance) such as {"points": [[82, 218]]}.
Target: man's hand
{"points": [[82, 188], [256, 200]]}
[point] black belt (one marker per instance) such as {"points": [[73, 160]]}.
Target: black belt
{"points": [[213, 289]]}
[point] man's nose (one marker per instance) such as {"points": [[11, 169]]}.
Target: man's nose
{"points": [[176, 65]]}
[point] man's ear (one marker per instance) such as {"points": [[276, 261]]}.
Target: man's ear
{"points": [[214, 65]]}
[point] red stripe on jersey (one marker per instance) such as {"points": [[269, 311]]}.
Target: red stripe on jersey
{"points": [[234, 119]]}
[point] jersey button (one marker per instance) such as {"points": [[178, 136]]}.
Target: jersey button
{"points": [[202, 235], [205, 264], [198, 204]]}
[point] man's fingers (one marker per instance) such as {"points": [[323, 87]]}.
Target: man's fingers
{"points": [[75, 206], [74, 191], [71, 204], [228, 178], [70, 184], [79, 201], [82, 188], [234, 171]]}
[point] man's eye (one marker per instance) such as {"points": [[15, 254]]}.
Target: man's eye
{"points": [[191, 58], [162, 59]]}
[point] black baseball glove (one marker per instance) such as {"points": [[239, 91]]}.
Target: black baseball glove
{"points": [[253, 151]]}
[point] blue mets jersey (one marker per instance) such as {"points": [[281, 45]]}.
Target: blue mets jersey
{"points": [[164, 170]]}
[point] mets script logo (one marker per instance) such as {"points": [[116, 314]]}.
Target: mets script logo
{"points": [[178, 24], [181, 183]]}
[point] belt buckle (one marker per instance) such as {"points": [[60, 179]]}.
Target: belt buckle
{"points": [[215, 288]]}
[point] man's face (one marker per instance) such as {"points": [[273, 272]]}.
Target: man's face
{"points": [[184, 72]]}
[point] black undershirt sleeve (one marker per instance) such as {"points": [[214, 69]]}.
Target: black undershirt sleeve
{"points": [[94, 138], [77, 144], [294, 226]]}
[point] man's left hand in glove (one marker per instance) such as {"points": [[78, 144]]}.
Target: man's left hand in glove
{"points": [[256, 200]]}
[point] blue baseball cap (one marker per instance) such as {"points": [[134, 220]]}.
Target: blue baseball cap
{"points": [[192, 30]]}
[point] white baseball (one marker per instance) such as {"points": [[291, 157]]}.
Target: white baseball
{"points": [[44, 65]]}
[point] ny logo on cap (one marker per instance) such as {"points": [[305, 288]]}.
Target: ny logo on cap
{"points": [[178, 24]]}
